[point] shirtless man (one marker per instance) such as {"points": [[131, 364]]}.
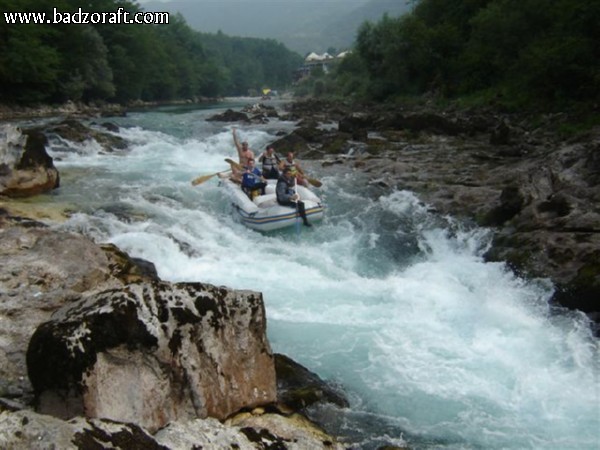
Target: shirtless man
{"points": [[244, 153]]}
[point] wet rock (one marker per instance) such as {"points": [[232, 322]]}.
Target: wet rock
{"points": [[126, 268], [75, 131], [299, 388], [230, 116], [111, 126]]}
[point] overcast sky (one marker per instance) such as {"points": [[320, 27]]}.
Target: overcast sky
{"points": [[302, 25]]}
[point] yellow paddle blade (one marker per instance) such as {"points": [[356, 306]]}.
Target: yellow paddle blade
{"points": [[315, 182], [202, 179], [234, 164]]}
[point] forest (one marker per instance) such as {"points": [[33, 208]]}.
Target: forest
{"points": [[120, 63], [508, 52], [512, 53]]}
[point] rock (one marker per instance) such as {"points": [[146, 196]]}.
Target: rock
{"points": [[501, 134], [275, 431], [230, 116], [356, 121], [74, 131], [26, 169], [28, 430], [424, 122], [111, 126], [202, 433], [293, 142], [299, 388], [40, 271], [154, 352], [261, 110], [126, 268], [511, 204]]}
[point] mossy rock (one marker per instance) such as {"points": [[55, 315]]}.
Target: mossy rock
{"points": [[299, 388], [126, 268]]}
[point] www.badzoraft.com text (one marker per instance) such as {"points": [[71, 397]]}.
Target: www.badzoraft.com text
{"points": [[120, 16]]}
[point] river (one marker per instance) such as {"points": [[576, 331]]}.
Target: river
{"points": [[434, 347]]}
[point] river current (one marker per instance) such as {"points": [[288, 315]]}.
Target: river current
{"points": [[435, 348]]}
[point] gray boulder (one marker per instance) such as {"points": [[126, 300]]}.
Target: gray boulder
{"points": [[152, 353]]}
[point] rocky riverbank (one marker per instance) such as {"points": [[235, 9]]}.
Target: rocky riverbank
{"points": [[94, 348], [108, 330], [515, 173], [97, 351]]}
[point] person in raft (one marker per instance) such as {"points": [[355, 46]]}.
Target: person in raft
{"points": [[287, 195], [293, 164], [270, 161], [252, 180], [244, 152]]}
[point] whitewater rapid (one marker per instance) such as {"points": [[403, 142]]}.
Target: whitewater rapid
{"points": [[434, 346]]}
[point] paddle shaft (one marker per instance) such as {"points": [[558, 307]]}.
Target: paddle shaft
{"points": [[201, 179]]}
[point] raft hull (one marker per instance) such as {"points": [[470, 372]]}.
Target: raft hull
{"points": [[265, 214]]}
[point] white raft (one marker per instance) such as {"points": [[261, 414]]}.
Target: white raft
{"points": [[263, 213]]}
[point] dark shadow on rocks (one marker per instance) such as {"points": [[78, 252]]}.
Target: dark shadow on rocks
{"points": [[299, 388]]}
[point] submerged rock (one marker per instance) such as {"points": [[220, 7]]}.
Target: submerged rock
{"points": [[74, 131], [300, 388]]}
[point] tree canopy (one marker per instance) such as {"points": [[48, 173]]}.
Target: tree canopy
{"points": [[520, 51], [125, 62]]}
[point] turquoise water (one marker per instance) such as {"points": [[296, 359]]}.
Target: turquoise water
{"points": [[434, 347]]}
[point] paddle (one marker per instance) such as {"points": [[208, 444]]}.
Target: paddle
{"points": [[203, 178], [313, 181], [233, 164], [298, 227]]}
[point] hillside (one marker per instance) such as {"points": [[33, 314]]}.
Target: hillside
{"points": [[301, 26]]}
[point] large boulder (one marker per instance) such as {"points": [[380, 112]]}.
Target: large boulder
{"points": [[26, 169], [154, 352], [41, 270]]}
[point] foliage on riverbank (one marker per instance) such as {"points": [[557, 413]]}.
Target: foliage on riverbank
{"points": [[525, 54], [120, 63]]}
